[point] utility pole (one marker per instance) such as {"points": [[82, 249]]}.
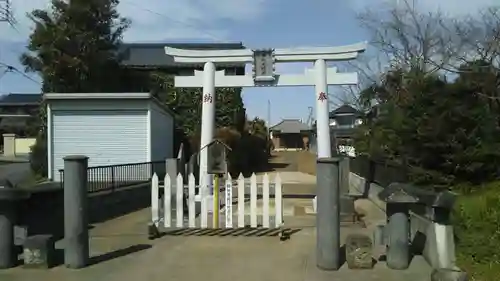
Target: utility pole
{"points": [[268, 117]]}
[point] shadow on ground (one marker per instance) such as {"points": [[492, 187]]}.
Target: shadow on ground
{"points": [[59, 255], [245, 231], [119, 253]]}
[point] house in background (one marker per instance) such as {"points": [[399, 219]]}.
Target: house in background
{"points": [[17, 114], [19, 105], [290, 134], [343, 123]]}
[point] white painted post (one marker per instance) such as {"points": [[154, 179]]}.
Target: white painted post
{"points": [[203, 191], [229, 201], [191, 201], [179, 204], [167, 201], [322, 119], [278, 201], [155, 210], [207, 117], [265, 201], [241, 201], [253, 200]]}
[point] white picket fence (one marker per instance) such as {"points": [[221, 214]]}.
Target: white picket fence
{"points": [[172, 213]]}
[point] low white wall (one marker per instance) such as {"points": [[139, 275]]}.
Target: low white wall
{"points": [[23, 145], [439, 245]]}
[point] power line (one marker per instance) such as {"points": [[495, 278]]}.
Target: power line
{"points": [[12, 69], [6, 15], [213, 36]]}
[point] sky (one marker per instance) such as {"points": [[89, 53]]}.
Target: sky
{"points": [[255, 23]]}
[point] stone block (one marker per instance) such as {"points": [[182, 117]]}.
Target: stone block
{"points": [[359, 251], [39, 251], [443, 274]]}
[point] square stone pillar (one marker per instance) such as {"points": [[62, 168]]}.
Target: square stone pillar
{"points": [[9, 144]]}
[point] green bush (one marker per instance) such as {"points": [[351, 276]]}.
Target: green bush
{"points": [[38, 157], [477, 228]]}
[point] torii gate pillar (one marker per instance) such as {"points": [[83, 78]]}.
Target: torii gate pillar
{"points": [[207, 119], [322, 120]]}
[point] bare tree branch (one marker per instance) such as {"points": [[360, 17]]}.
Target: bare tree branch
{"points": [[409, 39]]}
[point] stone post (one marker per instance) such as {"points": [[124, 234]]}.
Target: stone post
{"points": [[398, 232], [442, 230], [8, 199], [344, 175], [7, 235], [76, 233], [346, 201], [9, 144], [193, 167], [328, 214], [172, 169]]}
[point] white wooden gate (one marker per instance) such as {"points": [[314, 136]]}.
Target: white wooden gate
{"points": [[265, 210]]}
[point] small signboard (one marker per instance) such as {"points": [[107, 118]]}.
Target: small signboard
{"points": [[263, 66], [217, 152]]}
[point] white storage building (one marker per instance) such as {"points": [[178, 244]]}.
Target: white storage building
{"points": [[109, 128]]}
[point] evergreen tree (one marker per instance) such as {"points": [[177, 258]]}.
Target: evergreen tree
{"points": [[74, 48]]}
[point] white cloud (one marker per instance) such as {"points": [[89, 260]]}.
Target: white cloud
{"points": [[157, 20], [450, 7]]}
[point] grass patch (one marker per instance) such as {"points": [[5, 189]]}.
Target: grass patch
{"points": [[477, 227], [478, 271]]}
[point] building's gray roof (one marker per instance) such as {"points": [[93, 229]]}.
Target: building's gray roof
{"points": [[345, 109], [290, 126], [153, 54]]}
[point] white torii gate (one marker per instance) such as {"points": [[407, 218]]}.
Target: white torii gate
{"points": [[263, 75]]}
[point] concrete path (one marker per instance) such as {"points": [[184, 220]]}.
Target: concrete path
{"points": [[121, 252], [290, 177]]}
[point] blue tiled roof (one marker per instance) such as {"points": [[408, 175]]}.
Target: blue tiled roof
{"points": [[153, 54], [20, 99]]}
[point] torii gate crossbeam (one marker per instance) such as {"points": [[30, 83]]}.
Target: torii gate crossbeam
{"points": [[263, 75]]}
